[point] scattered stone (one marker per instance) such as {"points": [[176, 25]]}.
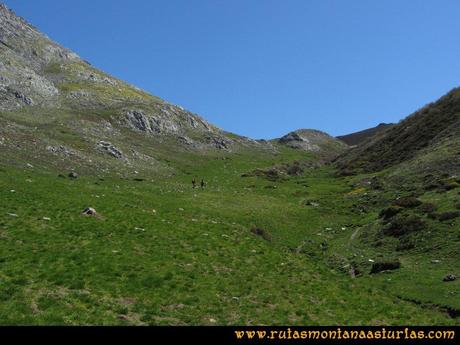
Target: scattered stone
{"points": [[29, 165], [185, 140], [294, 170], [449, 278], [381, 266], [26, 100], [262, 233], [46, 218], [311, 203], [109, 149], [89, 211], [354, 272], [435, 261], [13, 215], [219, 142], [73, 175], [60, 149]]}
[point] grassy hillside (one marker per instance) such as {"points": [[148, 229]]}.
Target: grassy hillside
{"points": [[425, 128]]}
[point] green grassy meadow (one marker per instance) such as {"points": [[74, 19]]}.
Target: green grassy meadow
{"points": [[162, 253]]}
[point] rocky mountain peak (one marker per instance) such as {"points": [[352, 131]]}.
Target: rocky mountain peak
{"points": [[310, 140]]}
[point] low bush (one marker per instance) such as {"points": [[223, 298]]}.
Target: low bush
{"points": [[385, 266], [404, 224], [408, 202]]}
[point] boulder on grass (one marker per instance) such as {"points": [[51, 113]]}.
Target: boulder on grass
{"points": [[89, 211], [262, 233], [381, 266], [449, 278]]}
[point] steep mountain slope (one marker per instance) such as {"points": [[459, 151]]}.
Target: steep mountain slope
{"points": [[418, 134], [360, 137], [54, 104], [37, 72]]}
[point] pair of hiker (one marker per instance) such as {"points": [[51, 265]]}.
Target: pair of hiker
{"points": [[202, 184]]}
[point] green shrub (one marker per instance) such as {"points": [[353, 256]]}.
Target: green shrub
{"points": [[390, 212], [404, 224], [405, 244], [444, 215], [408, 202], [428, 207]]}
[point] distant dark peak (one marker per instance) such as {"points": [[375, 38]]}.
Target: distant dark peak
{"points": [[357, 138]]}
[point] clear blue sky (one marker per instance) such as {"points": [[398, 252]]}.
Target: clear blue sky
{"points": [[262, 68]]}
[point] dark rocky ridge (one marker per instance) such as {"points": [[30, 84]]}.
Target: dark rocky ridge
{"points": [[360, 137]]}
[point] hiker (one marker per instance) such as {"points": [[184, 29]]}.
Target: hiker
{"points": [[194, 183], [202, 184]]}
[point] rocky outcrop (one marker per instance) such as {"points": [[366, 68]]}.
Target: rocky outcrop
{"points": [[301, 140], [165, 118], [219, 142]]}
